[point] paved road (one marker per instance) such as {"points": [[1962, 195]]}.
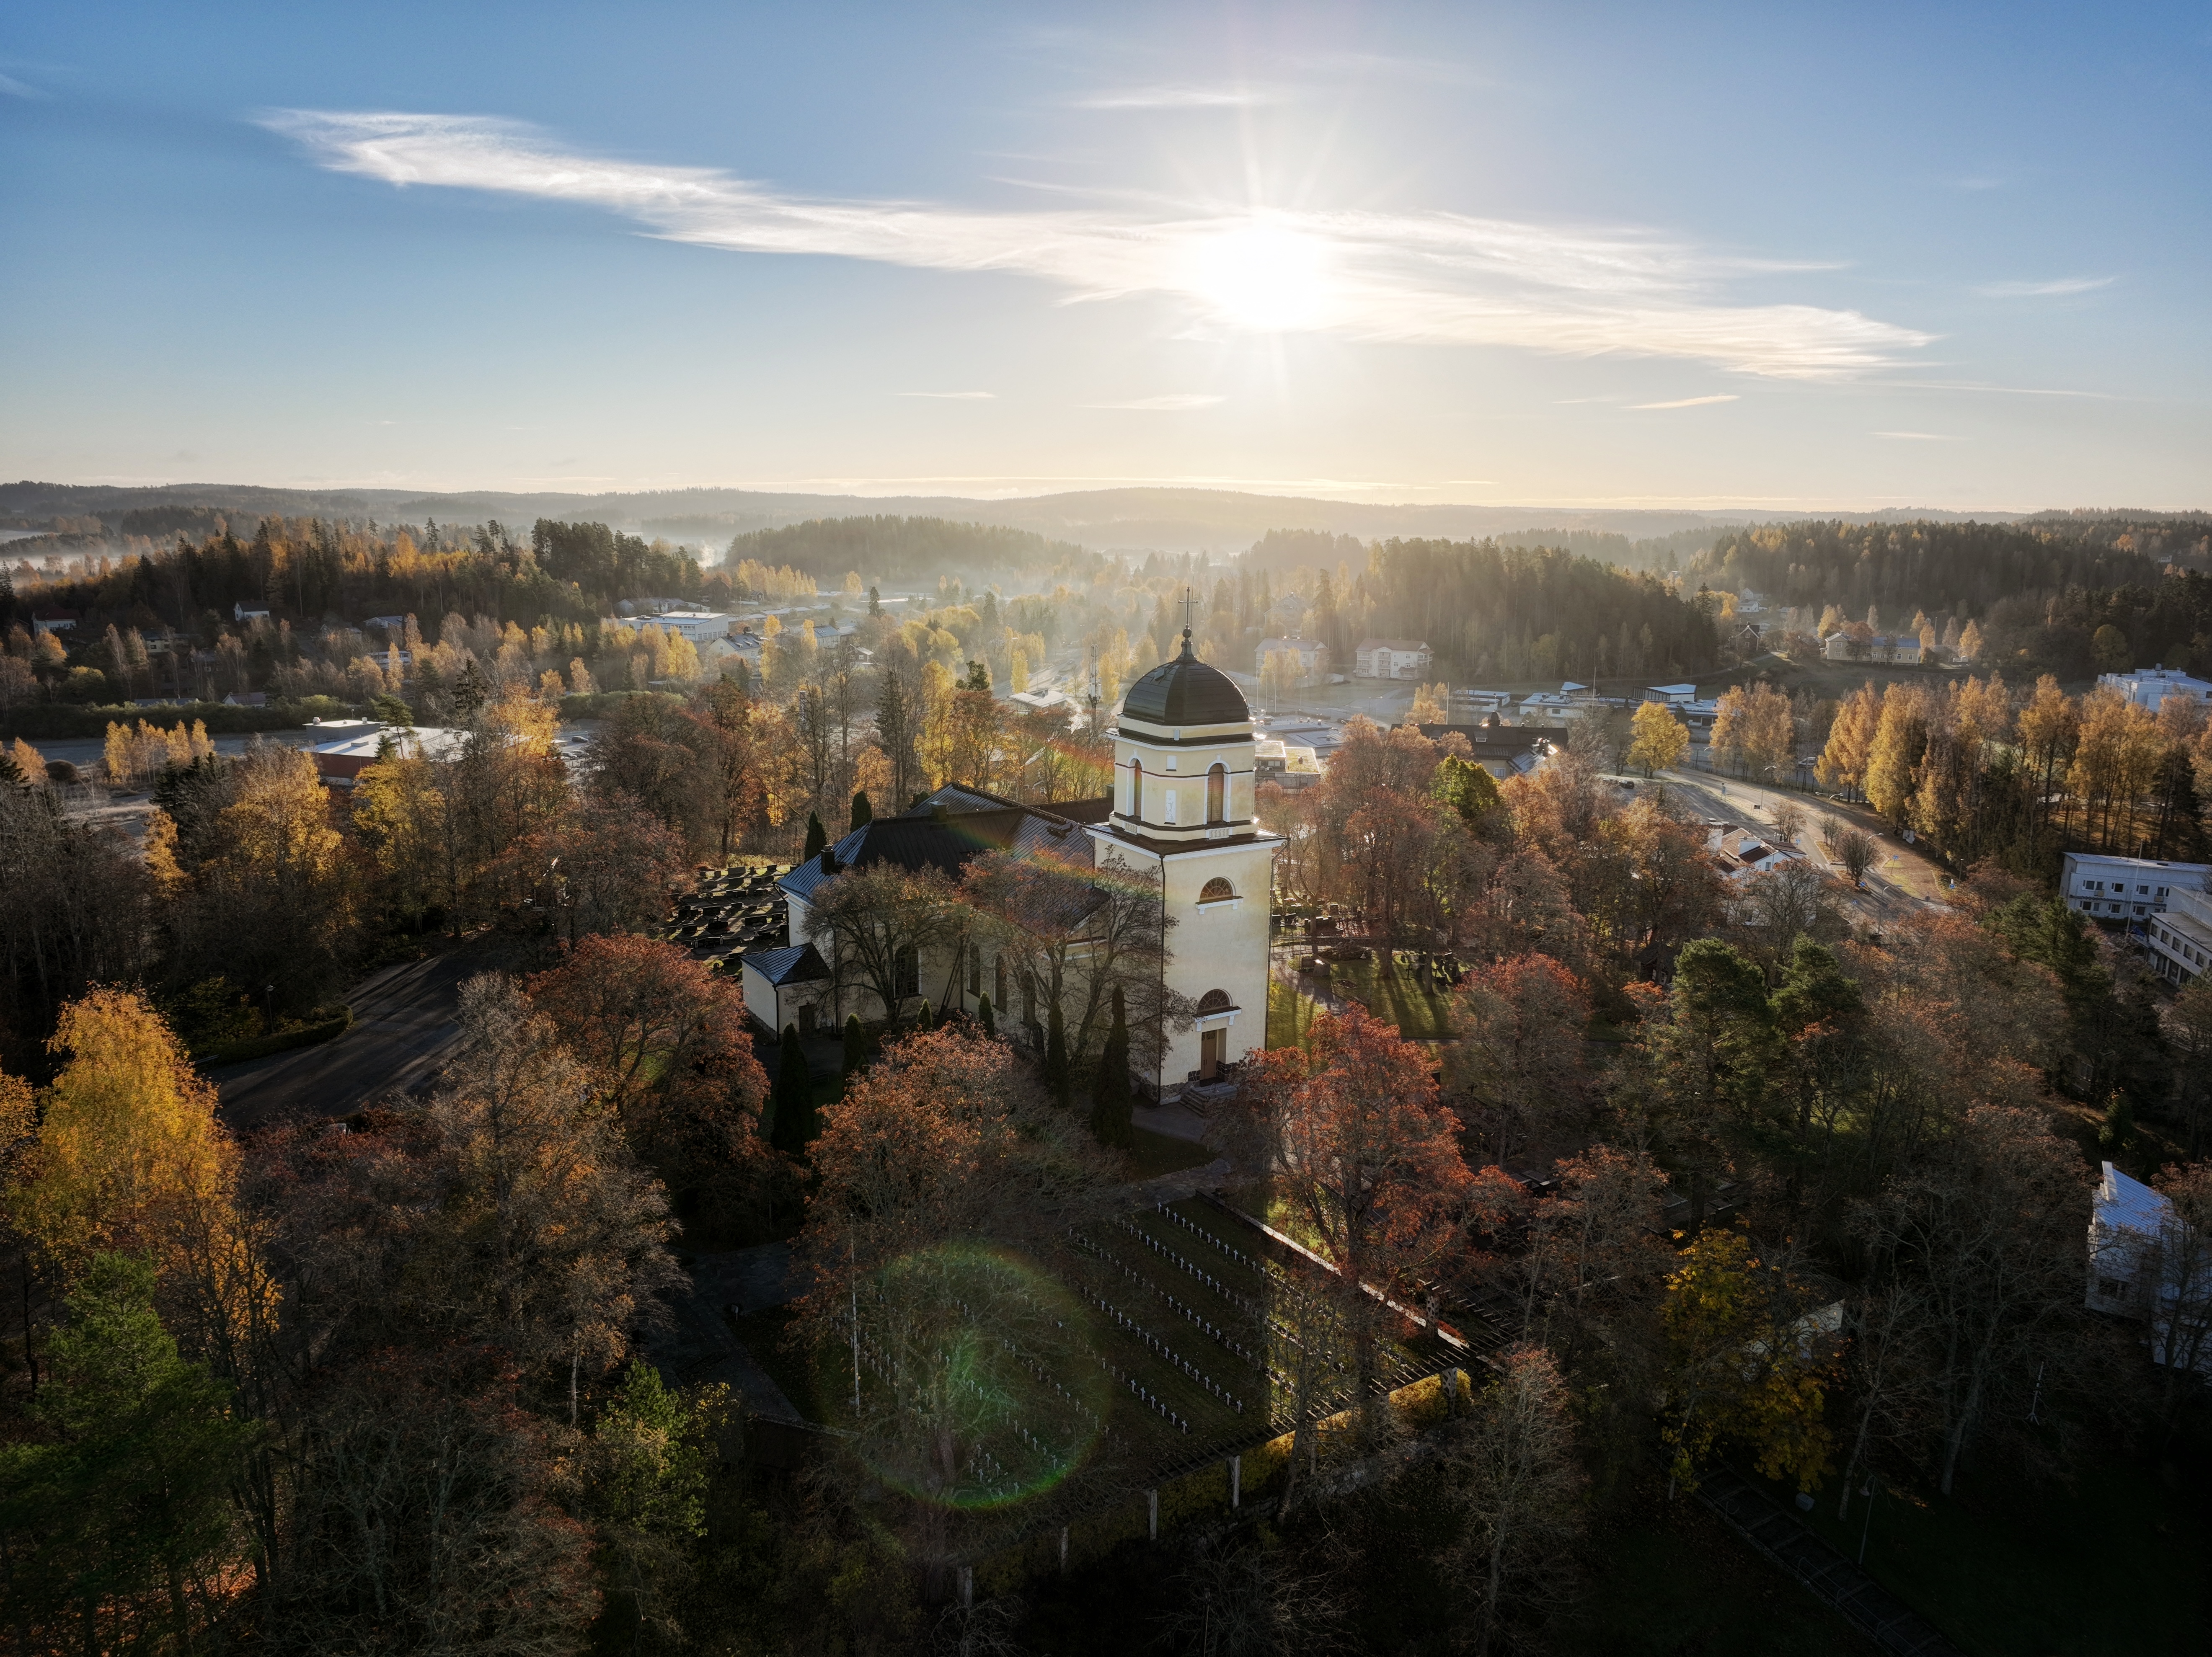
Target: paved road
{"points": [[406, 1020], [1906, 879]]}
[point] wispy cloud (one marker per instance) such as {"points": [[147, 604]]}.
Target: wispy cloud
{"points": [[1229, 96], [1166, 405], [2045, 289], [1921, 437], [1998, 390], [953, 397], [1689, 402], [1428, 278], [12, 88]]}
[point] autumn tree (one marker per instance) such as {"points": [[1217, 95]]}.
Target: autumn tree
{"points": [[1516, 1072], [667, 1044], [945, 1179], [1988, 1227], [1513, 1483], [647, 1475], [1082, 935], [274, 906], [1660, 741], [876, 923], [549, 1240], [425, 1502], [1745, 1364], [605, 867], [1364, 1157]]}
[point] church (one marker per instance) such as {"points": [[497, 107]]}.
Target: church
{"points": [[1183, 815]]}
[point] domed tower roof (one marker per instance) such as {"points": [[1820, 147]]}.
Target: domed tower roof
{"points": [[1186, 692]]}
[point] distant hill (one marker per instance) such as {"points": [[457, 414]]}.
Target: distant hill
{"points": [[1220, 521]]}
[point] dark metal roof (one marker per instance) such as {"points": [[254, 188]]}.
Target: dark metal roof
{"points": [[972, 824], [797, 963], [1186, 691], [1491, 739]]}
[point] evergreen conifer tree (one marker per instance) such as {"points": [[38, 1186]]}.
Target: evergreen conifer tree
{"points": [[1056, 1078], [863, 812], [816, 836], [789, 1121], [985, 1016], [856, 1045], [1109, 1096], [923, 1020]]}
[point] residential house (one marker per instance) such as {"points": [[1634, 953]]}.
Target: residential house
{"points": [[1738, 854], [1858, 644], [2146, 1264]]}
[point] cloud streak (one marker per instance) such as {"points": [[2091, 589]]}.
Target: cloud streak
{"points": [[1689, 402], [1440, 278], [2045, 289]]}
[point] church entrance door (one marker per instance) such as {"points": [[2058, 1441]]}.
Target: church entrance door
{"points": [[1210, 1045]]}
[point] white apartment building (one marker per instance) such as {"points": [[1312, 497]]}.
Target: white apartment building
{"points": [[2181, 938], [1392, 659], [2115, 889], [2150, 687]]}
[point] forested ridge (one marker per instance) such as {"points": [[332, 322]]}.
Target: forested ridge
{"points": [[1967, 567], [909, 550], [1491, 611]]}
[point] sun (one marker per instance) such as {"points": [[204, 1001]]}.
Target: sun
{"points": [[1263, 277]]}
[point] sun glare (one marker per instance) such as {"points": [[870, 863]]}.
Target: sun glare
{"points": [[1263, 277]]}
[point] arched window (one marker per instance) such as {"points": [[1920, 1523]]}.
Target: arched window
{"points": [[1214, 1001], [1217, 794], [999, 1000], [1137, 789], [1215, 889]]}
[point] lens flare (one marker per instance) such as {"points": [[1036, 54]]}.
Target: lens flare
{"points": [[977, 1385]]}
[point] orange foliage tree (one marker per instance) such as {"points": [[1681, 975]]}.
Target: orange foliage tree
{"points": [[666, 1042]]}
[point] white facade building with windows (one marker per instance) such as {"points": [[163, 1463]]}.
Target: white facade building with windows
{"points": [[1391, 658], [2181, 938], [2115, 889], [2150, 687]]}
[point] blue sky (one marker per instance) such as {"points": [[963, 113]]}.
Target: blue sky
{"points": [[1568, 255]]}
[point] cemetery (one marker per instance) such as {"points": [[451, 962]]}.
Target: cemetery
{"points": [[1174, 1340]]}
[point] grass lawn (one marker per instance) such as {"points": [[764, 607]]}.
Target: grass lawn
{"points": [[1685, 1584], [1420, 1014], [2118, 1565], [1290, 1015]]}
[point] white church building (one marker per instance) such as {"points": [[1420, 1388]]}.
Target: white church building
{"points": [[1182, 813]]}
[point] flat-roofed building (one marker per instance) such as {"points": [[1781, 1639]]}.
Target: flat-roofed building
{"points": [[2150, 687], [2117, 888]]}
